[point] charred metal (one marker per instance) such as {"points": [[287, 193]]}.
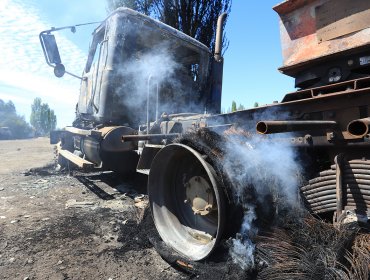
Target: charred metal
{"points": [[150, 102]]}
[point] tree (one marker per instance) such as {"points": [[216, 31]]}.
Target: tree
{"points": [[16, 124], [196, 18], [233, 106], [42, 117], [255, 104], [241, 107]]}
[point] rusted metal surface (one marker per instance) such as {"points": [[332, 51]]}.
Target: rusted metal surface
{"points": [[299, 38], [338, 18], [359, 127], [268, 127], [338, 88], [289, 6]]}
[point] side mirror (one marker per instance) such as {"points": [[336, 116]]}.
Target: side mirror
{"points": [[59, 70], [51, 52], [50, 48]]}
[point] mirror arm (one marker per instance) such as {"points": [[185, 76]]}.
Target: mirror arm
{"points": [[53, 29], [78, 77]]}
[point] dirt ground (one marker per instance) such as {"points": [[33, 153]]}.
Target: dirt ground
{"points": [[74, 225], [58, 226]]}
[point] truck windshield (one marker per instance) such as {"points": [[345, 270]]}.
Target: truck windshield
{"points": [[166, 65], [94, 49]]}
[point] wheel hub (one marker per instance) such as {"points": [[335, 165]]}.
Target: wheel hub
{"points": [[186, 201], [199, 195]]}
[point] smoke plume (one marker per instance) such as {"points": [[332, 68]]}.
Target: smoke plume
{"points": [[165, 76], [264, 177]]}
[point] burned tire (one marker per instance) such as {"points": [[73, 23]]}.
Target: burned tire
{"points": [[187, 203]]}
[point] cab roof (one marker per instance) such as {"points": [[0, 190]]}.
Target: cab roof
{"points": [[126, 12]]}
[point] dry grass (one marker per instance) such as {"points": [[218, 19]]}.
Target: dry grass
{"points": [[311, 249]]}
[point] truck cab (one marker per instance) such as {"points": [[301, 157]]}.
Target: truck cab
{"points": [[141, 77], [135, 62]]}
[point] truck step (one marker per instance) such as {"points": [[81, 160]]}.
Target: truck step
{"points": [[146, 158], [80, 162], [143, 171]]}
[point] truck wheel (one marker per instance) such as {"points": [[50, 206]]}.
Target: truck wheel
{"points": [[186, 201]]}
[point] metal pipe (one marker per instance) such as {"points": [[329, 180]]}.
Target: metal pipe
{"points": [[325, 208], [356, 171], [349, 202], [148, 137], [268, 127], [331, 207], [354, 166], [354, 197], [349, 178], [356, 161], [147, 105], [356, 176], [315, 190], [321, 179], [327, 173], [359, 127], [219, 31], [339, 185], [332, 191], [319, 184], [349, 181], [157, 104], [332, 187]]}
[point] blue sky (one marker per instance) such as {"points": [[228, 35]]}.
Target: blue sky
{"points": [[250, 70]]}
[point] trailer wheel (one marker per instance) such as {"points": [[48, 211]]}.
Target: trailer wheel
{"points": [[186, 201]]}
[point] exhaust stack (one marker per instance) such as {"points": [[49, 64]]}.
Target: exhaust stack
{"points": [[218, 44]]}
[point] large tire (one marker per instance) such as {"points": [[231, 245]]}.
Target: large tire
{"points": [[187, 201]]}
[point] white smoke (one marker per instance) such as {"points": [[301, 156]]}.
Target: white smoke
{"points": [[260, 170], [145, 72], [171, 72], [242, 247]]}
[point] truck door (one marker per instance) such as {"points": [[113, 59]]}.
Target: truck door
{"points": [[91, 84]]}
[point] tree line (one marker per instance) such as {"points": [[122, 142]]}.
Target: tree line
{"points": [[14, 126]]}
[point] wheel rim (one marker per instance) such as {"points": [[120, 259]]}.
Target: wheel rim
{"points": [[186, 202]]}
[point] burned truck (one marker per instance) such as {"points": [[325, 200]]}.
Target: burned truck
{"points": [[150, 102]]}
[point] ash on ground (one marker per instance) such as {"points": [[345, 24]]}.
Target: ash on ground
{"points": [[76, 225]]}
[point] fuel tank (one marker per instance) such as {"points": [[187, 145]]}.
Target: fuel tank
{"points": [[105, 148]]}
